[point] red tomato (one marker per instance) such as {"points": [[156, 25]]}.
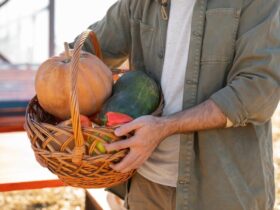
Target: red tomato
{"points": [[85, 121]]}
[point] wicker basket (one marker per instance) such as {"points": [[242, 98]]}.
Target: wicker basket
{"points": [[71, 161]]}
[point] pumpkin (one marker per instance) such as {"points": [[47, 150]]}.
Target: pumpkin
{"points": [[52, 84]]}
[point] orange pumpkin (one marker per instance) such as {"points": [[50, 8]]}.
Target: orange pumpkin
{"points": [[52, 84]]}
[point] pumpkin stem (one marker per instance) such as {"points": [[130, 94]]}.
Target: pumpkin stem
{"points": [[67, 52]]}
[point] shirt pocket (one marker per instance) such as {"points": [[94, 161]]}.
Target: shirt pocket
{"points": [[152, 50], [148, 44], [147, 33], [144, 30], [146, 48], [220, 35]]}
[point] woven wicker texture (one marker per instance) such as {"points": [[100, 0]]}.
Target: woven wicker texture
{"points": [[93, 171], [67, 149]]}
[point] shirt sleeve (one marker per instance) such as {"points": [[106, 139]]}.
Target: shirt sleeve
{"points": [[252, 91], [113, 34]]}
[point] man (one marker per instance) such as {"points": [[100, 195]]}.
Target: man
{"points": [[218, 65]]}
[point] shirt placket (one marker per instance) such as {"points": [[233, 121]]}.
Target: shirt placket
{"points": [[186, 156]]}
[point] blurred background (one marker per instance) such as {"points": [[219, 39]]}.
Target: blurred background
{"points": [[30, 32]]}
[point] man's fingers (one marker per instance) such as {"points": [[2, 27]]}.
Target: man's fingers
{"points": [[122, 144], [125, 164], [126, 128], [136, 164]]}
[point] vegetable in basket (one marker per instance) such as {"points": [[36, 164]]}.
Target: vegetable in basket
{"points": [[135, 94], [52, 84]]}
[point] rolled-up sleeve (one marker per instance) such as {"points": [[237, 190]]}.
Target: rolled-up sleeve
{"points": [[252, 91]]}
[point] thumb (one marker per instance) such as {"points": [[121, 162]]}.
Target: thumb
{"points": [[127, 128]]}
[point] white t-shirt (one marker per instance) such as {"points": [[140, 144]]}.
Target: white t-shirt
{"points": [[162, 166]]}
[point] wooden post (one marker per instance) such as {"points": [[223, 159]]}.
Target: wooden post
{"points": [[91, 203], [51, 27]]}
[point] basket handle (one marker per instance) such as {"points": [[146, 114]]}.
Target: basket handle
{"points": [[95, 43], [74, 105]]}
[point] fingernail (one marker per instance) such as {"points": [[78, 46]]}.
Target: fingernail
{"points": [[117, 132]]}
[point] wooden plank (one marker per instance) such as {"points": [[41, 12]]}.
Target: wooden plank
{"points": [[100, 196], [91, 203], [16, 84], [9, 124], [4, 187]]}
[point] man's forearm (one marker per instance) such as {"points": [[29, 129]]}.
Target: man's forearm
{"points": [[204, 116], [149, 131]]}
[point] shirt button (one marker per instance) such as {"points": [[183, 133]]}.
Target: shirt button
{"points": [[181, 182], [160, 55], [189, 82], [196, 34]]}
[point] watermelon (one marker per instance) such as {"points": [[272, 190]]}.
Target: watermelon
{"points": [[134, 94]]}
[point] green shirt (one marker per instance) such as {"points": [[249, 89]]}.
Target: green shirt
{"points": [[234, 59]]}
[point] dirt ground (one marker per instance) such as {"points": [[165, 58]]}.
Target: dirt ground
{"points": [[62, 198], [67, 198]]}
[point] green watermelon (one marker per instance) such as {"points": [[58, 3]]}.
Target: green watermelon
{"points": [[134, 94]]}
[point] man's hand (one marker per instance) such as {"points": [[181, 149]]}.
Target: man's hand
{"points": [[149, 131]]}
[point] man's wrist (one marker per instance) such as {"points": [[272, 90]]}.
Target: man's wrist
{"points": [[170, 125]]}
